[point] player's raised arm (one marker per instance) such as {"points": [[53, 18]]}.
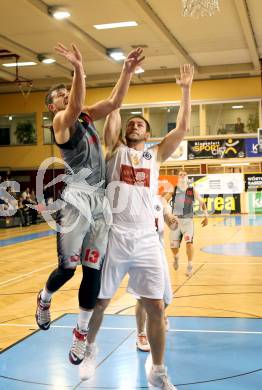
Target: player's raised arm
{"points": [[74, 101], [173, 139], [111, 130]]}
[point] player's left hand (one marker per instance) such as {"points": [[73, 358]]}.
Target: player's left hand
{"points": [[204, 222]]}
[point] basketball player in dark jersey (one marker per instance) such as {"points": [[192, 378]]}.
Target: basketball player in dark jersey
{"points": [[182, 202], [83, 238]]}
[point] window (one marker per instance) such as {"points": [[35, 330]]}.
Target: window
{"points": [[17, 129], [46, 125], [232, 118], [163, 120]]}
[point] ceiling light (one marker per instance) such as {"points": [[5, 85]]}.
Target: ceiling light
{"points": [[13, 64], [236, 107], [59, 14], [116, 54], [139, 70], [45, 118], [136, 112], [234, 164], [115, 25], [10, 117], [49, 60]]}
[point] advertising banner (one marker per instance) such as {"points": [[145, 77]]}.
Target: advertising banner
{"points": [[255, 202], [253, 182], [212, 184], [223, 148], [180, 153], [217, 202], [166, 183], [220, 204], [252, 148]]}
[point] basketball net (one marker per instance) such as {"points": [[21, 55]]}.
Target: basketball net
{"points": [[199, 8], [25, 88]]}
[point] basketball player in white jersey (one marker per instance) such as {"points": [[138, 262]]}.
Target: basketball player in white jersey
{"points": [[133, 247], [162, 215]]}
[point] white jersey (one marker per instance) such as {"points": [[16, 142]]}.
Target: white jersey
{"points": [[132, 178]]}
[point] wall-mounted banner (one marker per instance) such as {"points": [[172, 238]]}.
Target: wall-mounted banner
{"points": [[179, 154], [253, 182], [220, 204], [222, 148], [166, 183], [225, 183], [252, 147], [255, 202], [216, 203]]}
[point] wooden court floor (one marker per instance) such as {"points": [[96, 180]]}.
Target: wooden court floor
{"points": [[222, 285]]}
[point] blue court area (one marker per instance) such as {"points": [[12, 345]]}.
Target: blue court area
{"points": [[26, 237], [236, 249], [242, 220], [202, 354]]}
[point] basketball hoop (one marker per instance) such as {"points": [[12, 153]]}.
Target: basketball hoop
{"points": [[25, 87], [199, 8]]}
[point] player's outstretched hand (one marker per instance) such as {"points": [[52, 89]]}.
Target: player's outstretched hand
{"points": [[186, 76], [73, 55]]}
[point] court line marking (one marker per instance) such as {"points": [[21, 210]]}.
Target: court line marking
{"points": [[26, 275], [131, 329]]}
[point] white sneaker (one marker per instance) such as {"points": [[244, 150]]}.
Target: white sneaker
{"points": [[42, 315], [77, 351], [176, 263], [88, 365], [189, 270], [160, 379], [142, 342]]}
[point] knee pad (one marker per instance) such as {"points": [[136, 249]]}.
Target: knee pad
{"points": [[59, 277], [89, 288]]}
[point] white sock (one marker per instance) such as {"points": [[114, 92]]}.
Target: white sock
{"points": [[83, 319], [159, 368], [190, 264], [46, 295]]}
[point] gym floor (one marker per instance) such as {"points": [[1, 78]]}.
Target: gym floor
{"points": [[215, 336]]}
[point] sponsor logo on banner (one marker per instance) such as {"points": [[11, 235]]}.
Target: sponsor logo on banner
{"points": [[223, 148], [253, 182], [219, 204], [255, 202], [252, 147]]}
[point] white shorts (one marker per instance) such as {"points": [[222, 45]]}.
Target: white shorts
{"points": [[137, 253], [168, 293], [185, 228]]}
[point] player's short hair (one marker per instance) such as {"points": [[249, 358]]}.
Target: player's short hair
{"points": [[49, 98], [148, 128]]}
